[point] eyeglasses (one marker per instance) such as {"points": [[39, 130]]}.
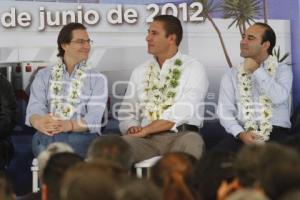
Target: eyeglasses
{"points": [[82, 41]]}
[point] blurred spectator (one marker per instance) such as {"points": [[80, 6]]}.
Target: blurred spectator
{"points": [[53, 148], [247, 165], [6, 192], [212, 169], [247, 194], [113, 148], [271, 168], [54, 171], [279, 170], [93, 181], [173, 173], [138, 189], [43, 157], [8, 119]]}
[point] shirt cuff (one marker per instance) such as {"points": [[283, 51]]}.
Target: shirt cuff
{"points": [[34, 112], [125, 125], [93, 124], [235, 130]]}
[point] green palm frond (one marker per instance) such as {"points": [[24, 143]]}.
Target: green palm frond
{"points": [[278, 56], [242, 11]]}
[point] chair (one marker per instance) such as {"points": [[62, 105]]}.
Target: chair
{"points": [[35, 176], [145, 164]]}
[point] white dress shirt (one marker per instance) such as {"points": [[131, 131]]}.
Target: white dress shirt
{"points": [[188, 107], [278, 89], [92, 100]]}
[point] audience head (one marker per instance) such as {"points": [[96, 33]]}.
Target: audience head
{"points": [[93, 180], [6, 192], [247, 194], [279, 170], [53, 148], [138, 189], [112, 148], [54, 171], [173, 173], [211, 170], [271, 167], [247, 165]]}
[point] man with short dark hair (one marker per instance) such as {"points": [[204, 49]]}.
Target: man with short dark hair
{"points": [[163, 109], [54, 172], [67, 100], [254, 100]]}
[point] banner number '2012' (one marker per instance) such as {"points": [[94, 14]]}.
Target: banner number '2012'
{"points": [[191, 12]]}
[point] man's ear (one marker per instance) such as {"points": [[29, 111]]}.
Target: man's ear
{"points": [[266, 45], [64, 46], [44, 192], [172, 39]]}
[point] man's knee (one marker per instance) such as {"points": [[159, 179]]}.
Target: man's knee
{"points": [[192, 138], [192, 143]]}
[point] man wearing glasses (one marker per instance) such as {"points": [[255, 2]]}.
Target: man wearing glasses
{"points": [[67, 100]]}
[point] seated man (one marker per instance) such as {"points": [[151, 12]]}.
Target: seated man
{"points": [[67, 100], [8, 119], [163, 106], [254, 103]]}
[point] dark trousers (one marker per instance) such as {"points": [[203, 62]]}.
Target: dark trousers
{"points": [[6, 152], [230, 143]]}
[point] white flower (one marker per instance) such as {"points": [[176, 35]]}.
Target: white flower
{"points": [[160, 89], [66, 109], [245, 89]]}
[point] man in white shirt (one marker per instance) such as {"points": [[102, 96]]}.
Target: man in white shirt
{"points": [[254, 100], [163, 108]]}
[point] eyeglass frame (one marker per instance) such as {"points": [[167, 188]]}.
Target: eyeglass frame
{"points": [[82, 41]]}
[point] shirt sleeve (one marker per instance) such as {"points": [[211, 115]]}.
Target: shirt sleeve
{"points": [[97, 103], [129, 114], [277, 89], [191, 98], [227, 109], [38, 96]]}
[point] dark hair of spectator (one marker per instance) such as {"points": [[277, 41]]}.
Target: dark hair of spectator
{"points": [[173, 173], [55, 169], [65, 36]]}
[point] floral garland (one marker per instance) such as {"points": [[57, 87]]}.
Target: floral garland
{"points": [[264, 128], [66, 109], [159, 92]]}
